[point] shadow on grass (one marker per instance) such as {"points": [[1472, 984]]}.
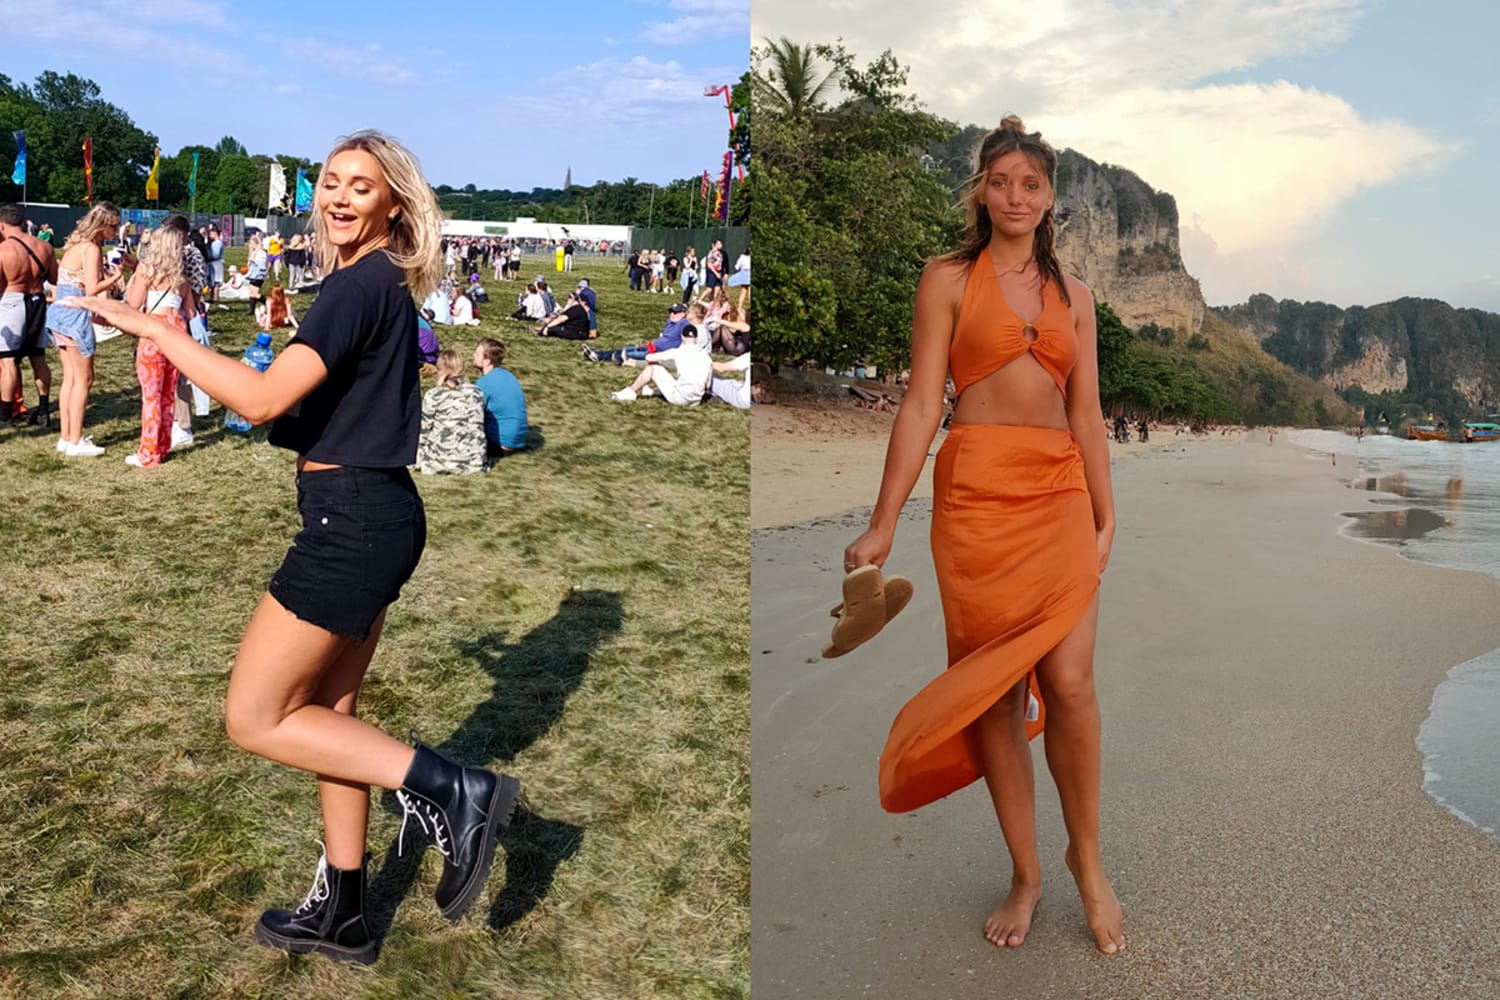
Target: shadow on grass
{"points": [[533, 679]]}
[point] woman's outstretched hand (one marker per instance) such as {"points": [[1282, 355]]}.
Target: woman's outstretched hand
{"points": [[871, 547], [118, 314]]}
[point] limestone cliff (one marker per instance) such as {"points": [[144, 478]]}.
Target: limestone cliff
{"points": [[1421, 348], [1121, 238]]}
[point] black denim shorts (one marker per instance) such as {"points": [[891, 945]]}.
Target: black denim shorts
{"points": [[363, 531]]}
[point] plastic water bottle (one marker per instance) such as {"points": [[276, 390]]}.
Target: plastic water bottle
{"points": [[258, 356]]}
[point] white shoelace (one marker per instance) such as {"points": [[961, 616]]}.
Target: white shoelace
{"points": [[425, 815], [320, 890]]}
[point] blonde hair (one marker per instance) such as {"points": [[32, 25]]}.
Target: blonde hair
{"points": [[450, 369], [93, 223], [415, 232], [161, 262]]}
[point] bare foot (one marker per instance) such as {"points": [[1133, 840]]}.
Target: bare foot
{"points": [[1009, 922], [1100, 907]]}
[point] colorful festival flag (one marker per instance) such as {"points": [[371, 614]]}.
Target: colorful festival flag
{"points": [[721, 206], [276, 197], [88, 169], [703, 191], [193, 178], [304, 192], [18, 176], [153, 189]]}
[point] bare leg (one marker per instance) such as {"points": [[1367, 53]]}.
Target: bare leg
{"points": [[346, 804], [65, 427], [1066, 678], [642, 380], [41, 374], [1001, 739], [270, 708], [10, 378], [78, 378]]}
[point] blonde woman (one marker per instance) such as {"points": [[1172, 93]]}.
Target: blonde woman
{"points": [[453, 439], [158, 288], [81, 272], [351, 374]]}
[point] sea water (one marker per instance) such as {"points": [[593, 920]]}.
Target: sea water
{"points": [[1439, 504]]}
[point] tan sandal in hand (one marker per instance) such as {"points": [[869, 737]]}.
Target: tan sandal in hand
{"points": [[870, 602]]}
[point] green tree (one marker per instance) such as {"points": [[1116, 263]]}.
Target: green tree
{"points": [[794, 84]]}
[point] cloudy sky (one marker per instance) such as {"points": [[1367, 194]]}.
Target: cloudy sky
{"points": [[1340, 150], [502, 95]]}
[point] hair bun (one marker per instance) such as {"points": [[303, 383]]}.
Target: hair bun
{"points": [[1012, 123]]}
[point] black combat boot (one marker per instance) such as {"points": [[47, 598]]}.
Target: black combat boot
{"points": [[330, 921], [462, 809]]}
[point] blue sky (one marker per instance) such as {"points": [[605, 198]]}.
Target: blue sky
{"points": [[502, 95], [1340, 150]]}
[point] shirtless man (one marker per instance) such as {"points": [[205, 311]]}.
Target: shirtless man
{"points": [[25, 264]]}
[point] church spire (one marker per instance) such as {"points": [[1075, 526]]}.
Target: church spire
{"points": [[568, 182]]}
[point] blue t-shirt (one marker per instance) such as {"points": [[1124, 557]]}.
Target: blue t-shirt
{"points": [[504, 409]]}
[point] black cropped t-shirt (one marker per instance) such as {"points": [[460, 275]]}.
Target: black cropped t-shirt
{"points": [[368, 411]]}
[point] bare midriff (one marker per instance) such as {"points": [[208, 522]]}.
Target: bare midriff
{"points": [[308, 465], [1021, 393]]}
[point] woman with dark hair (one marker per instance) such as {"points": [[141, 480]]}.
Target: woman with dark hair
{"points": [[344, 397], [1022, 524]]}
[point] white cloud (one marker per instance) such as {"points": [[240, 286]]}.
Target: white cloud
{"points": [[115, 26], [361, 63], [624, 91], [1256, 167], [702, 20]]}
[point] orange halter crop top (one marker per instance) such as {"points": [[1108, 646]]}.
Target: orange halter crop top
{"points": [[989, 335]]}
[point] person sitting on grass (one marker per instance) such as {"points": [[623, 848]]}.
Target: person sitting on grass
{"points": [[572, 323], [679, 316], [235, 286], [427, 342], [687, 387], [505, 427], [275, 312], [476, 293], [735, 392], [452, 440], [533, 306], [730, 332], [461, 309], [547, 299]]}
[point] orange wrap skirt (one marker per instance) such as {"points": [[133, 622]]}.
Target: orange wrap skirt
{"points": [[1017, 563]]}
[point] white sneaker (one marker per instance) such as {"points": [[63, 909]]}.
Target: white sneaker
{"points": [[181, 438], [134, 459], [623, 396], [648, 390], [62, 446], [85, 448]]}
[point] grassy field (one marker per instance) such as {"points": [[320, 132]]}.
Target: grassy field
{"points": [[580, 619]]}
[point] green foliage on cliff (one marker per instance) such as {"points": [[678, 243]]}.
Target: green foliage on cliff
{"points": [[1452, 355], [1145, 381]]}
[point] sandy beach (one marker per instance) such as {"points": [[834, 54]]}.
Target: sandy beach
{"points": [[1262, 681]]}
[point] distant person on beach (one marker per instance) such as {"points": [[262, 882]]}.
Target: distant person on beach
{"points": [[344, 397], [1022, 525]]}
